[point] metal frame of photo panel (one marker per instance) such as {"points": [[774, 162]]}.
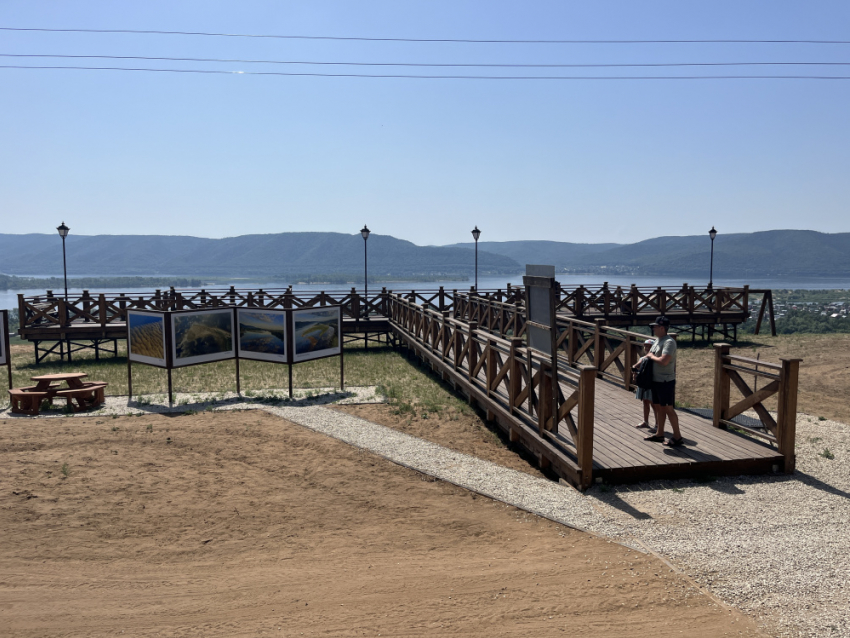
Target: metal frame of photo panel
{"points": [[263, 356], [174, 362], [5, 355], [322, 354], [150, 361]]}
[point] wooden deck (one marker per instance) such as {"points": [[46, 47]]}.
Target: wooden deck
{"points": [[621, 454]]}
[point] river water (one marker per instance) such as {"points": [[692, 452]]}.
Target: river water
{"points": [[9, 298]]}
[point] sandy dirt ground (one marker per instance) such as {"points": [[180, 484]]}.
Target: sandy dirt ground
{"points": [[240, 523], [824, 373]]}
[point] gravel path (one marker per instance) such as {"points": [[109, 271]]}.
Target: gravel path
{"points": [[776, 546]]}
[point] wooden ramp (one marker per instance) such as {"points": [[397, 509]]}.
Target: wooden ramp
{"points": [[579, 420]]}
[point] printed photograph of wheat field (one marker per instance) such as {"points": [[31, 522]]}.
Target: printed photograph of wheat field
{"points": [[262, 334], [316, 333], [202, 336], [146, 338]]}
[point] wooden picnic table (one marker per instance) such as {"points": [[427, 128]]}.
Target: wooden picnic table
{"points": [[48, 386], [47, 381]]}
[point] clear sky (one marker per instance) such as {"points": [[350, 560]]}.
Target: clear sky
{"points": [[115, 152]]}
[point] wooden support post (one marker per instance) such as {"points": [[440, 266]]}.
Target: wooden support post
{"points": [[515, 379], [490, 373], [721, 384], [598, 345], [473, 349], [586, 400], [129, 378], [628, 362], [572, 343], [786, 418], [238, 379], [544, 399]]}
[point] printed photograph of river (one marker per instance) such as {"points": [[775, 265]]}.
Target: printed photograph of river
{"points": [[146, 338], [262, 334], [203, 336], [316, 333]]}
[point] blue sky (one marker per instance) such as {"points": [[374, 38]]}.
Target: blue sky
{"points": [[425, 160]]}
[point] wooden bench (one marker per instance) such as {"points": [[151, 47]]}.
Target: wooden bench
{"points": [[89, 396], [27, 401]]}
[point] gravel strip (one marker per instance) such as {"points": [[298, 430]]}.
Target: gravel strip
{"points": [[777, 546]]}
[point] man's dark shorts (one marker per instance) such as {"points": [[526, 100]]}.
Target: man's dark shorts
{"points": [[664, 392]]}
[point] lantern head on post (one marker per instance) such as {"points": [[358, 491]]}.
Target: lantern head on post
{"points": [[63, 230], [712, 233], [364, 233], [476, 233]]}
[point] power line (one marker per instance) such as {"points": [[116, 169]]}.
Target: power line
{"points": [[440, 77], [421, 64], [446, 40]]}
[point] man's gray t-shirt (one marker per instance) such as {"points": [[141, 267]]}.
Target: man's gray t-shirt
{"points": [[664, 345]]}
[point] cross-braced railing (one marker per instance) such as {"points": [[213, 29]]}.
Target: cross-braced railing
{"points": [[510, 378], [781, 381]]}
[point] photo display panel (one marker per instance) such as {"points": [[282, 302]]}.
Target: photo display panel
{"points": [[202, 336], [4, 339], [262, 334], [146, 337], [316, 333]]}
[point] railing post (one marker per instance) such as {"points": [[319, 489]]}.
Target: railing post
{"points": [[490, 375], [598, 346], [786, 417], [628, 362], [441, 299], [444, 342], [515, 381], [586, 400], [721, 384], [633, 293], [572, 343], [473, 350], [101, 311], [606, 300]]}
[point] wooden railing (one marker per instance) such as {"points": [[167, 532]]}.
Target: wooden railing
{"points": [[782, 382], [52, 311], [510, 379], [502, 307], [580, 342]]}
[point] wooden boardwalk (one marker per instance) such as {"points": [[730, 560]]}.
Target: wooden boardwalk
{"points": [[593, 435]]}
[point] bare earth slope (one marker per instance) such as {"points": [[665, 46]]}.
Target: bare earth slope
{"points": [[240, 523]]}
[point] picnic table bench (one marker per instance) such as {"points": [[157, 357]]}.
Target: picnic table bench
{"points": [[86, 394]]}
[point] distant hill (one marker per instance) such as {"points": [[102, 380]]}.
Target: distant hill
{"points": [[772, 253], [278, 255], [554, 253]]}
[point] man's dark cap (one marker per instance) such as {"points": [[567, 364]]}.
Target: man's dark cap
{"points": [[661, 321]]}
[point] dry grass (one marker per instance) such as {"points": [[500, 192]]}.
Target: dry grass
{"points": [[824, 372]]}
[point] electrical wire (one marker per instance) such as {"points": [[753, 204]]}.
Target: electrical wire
{"points": [[420, 64], [440, 77], [446, 40]]}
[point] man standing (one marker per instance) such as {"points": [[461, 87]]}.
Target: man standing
{"points": [[663, 356]]}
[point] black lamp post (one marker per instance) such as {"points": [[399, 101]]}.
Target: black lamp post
{"points": [[712, 233], [365, 235], [475, 235], [63, 233]]}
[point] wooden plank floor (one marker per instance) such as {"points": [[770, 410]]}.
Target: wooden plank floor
{"points": [[620, 452]]}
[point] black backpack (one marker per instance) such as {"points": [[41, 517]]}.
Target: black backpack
{"points": [[643, 376]]}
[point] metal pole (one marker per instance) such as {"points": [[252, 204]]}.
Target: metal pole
{"points": [[65, 269], [476, 265], [366, 290], [711, 268]]}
